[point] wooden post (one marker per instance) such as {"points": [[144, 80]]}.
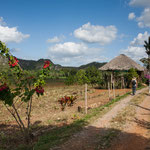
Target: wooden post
{"points": [[124, 85], [114, 87], [114, 90], [86, 98], [108, 90], [111, 81]]}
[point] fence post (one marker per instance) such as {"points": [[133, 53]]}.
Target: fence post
{"points": [[86, 98]]}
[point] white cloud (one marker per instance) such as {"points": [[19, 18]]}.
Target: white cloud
{"points": [[68, 49], [55, 39], [8, 34], [139, 40], [144, 19], [134, 52], [131, 16], [73, 54], [144, 3], [96, 34], [136, 49]]}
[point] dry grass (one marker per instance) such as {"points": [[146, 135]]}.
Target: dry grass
{"points": [[47, 112]]}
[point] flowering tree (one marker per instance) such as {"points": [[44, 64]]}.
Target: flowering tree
{"points": [[17, 87]]}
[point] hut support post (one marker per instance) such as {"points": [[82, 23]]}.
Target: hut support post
{"points": [[114, 89], [113, 86], [86, 98], [111, 81], [109, 90]]}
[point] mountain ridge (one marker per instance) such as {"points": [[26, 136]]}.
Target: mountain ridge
{"points": [[37, 64]]}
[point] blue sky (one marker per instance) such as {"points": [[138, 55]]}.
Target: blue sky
{"points": [[75, 32]]}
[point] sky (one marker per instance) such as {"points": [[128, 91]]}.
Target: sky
{"points": [[75, 32]]}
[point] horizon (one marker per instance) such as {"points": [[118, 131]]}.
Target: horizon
{"points": [[75, 32]]}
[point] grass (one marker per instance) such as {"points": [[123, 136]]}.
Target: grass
{"points": [[60, 135]]}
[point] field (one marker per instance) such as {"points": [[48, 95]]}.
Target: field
{"points": [[47, 113]]}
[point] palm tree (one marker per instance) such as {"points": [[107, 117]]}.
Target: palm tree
{"points": [[147, 47]]}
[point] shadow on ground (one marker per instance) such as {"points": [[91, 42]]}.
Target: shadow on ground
{"points": [[54, 137]]}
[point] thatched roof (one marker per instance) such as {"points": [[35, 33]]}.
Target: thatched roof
{"points": [[122, 63]]}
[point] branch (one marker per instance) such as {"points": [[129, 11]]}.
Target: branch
{"points": [[15, 118], [18, 116]]}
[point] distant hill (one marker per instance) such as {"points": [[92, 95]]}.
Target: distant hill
{"points": [[96, 64], [35, 65], [32, 64]]}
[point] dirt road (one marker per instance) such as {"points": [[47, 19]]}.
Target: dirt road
{"points": [[129, 132]]}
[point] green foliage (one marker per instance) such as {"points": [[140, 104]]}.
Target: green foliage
{"points": [[94, 75], [91, 76], [18, 85], [146, 62], [70, 80], [132, 73], [147, 46], [81, 77]]}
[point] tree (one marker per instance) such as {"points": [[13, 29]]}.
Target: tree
{"points": [[18, 87], [81, 77], [93, 74], [145, 62], [147, 47], [132, 73]]}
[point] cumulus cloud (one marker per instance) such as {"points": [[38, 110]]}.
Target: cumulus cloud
{"points": [[139, 3], [131, 16], [139, 40], [135, 53], [68, 49], [96, 34], [71, 53], [136, 49], [55, 39], [8, 34], [144, 19]]}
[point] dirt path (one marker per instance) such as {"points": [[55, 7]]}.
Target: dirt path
{"points": [[137, 136], [89, 137]]}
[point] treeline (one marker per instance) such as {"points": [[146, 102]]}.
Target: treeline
{"points": [[98, 78], [90, 75]]}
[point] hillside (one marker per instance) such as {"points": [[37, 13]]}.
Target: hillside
{"points": [[96, 64], [35, 65]]}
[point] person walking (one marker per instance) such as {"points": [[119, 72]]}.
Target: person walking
{"points": [[134, 85]]}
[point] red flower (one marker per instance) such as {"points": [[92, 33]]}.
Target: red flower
{"points": [[39, 90], [3, 87], [31, 77], [47, 63], [13, 62]]}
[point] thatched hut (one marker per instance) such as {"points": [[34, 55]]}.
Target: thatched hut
{"points": [[121, 63]]}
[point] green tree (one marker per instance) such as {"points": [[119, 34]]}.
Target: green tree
{"points": [[147, 47], [132, 73], [93, 74], [17, 87], [81, 77]]}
